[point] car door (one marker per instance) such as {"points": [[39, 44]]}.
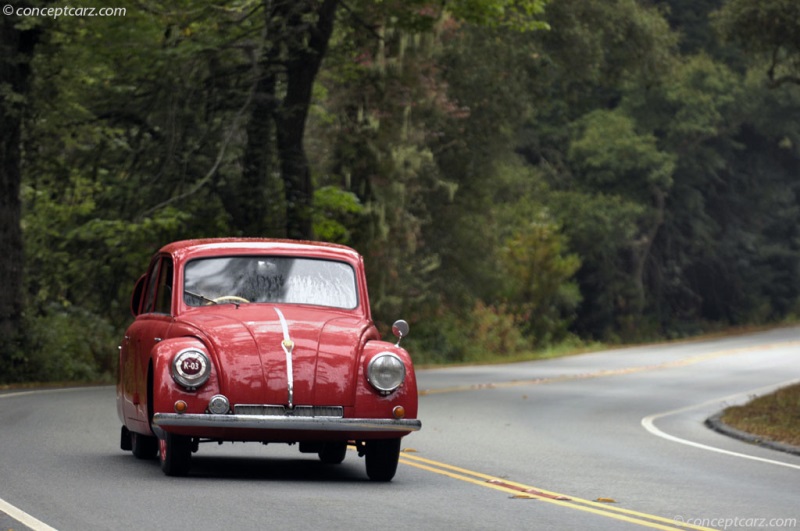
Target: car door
{"points": [[151, 326]]}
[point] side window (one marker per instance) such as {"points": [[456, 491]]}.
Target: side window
{"points": [[164, 292], [151, 287]]}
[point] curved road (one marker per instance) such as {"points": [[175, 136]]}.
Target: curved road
{"points": [[611, 440]]}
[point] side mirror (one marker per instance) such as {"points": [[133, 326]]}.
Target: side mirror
{"points": [[400, 330], [136, 297]]}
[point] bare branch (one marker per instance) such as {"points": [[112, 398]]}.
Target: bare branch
{"points": [[361, 22], [213, 170]]}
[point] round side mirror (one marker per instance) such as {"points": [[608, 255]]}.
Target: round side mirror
{"points": [[400, 329]]}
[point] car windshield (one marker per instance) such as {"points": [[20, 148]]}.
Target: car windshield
{"points": [[245, 279]]}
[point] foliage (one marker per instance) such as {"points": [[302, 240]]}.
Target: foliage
{"points": [[516, 173], [771, 29], [538, 273], [70, 344], [515, 14], [484, 332], [335, 211], [600, 229], [609, 154]]}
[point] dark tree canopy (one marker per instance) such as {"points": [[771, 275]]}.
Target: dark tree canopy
{"points": [[518, 174]]}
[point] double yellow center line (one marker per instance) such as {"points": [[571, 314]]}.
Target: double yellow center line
{"points": [[601, 506], [519, 490]]}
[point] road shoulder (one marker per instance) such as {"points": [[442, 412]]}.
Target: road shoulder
{"points": [[715, 423]]}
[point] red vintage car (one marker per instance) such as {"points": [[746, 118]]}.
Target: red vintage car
{"points": [[261, 340]]}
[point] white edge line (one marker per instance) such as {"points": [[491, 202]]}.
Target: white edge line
{"points": [[14, 512], [15, 394], [649, 424], [23, 517]]}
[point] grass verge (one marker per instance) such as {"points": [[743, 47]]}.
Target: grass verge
{"points": [[775, 416]]}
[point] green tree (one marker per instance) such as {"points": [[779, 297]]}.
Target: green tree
{"points": [[613, 176], [768, 28], [600, 229], [609, 155], [391, 140], [608, 173], [539, 273], [694, 109], [17, 44]]}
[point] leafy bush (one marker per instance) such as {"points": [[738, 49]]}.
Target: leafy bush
{"points": [[70, 344], [538, 270], [485, 333]]}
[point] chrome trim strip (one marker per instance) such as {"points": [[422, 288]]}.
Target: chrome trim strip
{"points": [[275, 422], [288, 346]]}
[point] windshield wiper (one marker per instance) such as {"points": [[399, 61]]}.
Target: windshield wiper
{"points": [[224, 299], [201, 297]]}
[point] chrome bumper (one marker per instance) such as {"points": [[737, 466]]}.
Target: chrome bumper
{"points": [[280, 422]]}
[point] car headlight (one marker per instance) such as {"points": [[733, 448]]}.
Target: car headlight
{"points": [[386, 372], [191, 368]]}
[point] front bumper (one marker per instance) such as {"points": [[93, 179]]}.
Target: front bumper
{"points": [[281, 422]]}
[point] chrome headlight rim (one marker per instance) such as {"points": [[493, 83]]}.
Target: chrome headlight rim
{"points": [[191, 368], [386, 379]]}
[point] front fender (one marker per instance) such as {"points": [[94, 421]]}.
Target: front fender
{"points": [[166, 391], [369, 402]]}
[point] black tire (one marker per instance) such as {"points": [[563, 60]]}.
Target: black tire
{"points": [[143, 446], [175, 454], [381, 457], [333, 453]]}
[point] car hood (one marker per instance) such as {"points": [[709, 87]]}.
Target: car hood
{"points": [[251, 363]]}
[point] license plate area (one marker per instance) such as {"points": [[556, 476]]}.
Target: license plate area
{"points": [[284, 411]]}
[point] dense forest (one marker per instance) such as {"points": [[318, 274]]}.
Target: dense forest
{"points": [[518, 174]]}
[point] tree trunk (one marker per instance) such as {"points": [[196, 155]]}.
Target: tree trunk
{"points": [[254, 204], [16, 49], [642, 252], [304, 58]]}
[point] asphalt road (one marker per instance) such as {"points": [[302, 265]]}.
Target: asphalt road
{"points": [[611, 440]]}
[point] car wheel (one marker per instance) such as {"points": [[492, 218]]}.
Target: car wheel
{"points": [[333, 453], [175, 454], [143, 446], [381, 457]]}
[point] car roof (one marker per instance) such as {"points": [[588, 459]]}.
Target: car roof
{"points": [[185, 249]]}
